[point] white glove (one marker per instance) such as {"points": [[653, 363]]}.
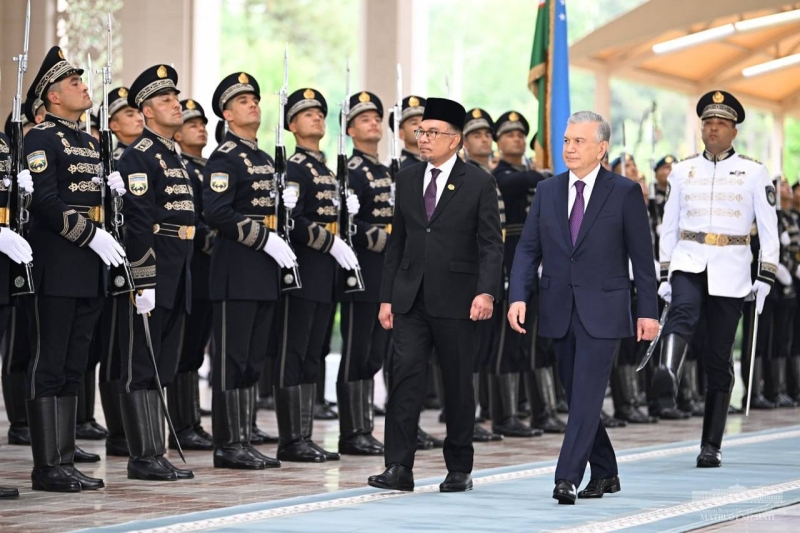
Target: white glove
{"points": [[353, 204], [785, 239], [280, 251], [343, 254], [797, 272], [15, 247], [24, 181], [289, 197], [658, 268], [115, 183], [658, 230], [761, 290], [630, 270], [665, 291], [783, 275], [146, 301], [107, 248]]}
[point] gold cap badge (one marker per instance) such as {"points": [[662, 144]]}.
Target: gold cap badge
{"points": [[243, 78], [123, 92], [60, 53], [718, 97], [162, 72], [513, 117], [363, 97], [476, 113], [190, 104], [413, 102], [669, 159], [308, 94]]}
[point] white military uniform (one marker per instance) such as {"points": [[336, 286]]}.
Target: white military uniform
{"points": [[720, 196]]}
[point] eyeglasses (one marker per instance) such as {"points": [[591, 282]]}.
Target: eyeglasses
{"points": [[430, 134]]}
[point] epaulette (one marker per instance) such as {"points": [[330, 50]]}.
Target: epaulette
{"points": [[748, 158], [298, 158], [354, 162], [226, 147], [44, 125], [690, 157], [143, 145]]}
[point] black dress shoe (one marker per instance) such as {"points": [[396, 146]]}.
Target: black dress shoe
{"points": [[179, 472], [395, 477], [456, 482], [562, 407], [550, 424], [610, 422], [432, 442], [205, 412], [269, 462], [300, 451], [379, 411], [90, 431], [734, 410], [673, 413], [86, 482], [598, 486], [483, 415], [710, 457], [512, 427], [329, 456], [237, 457], [82, 456], [375, 443], [19, 435], [189, 439], [358, 445], [481, 434], [325, 411], [565, 492], [261, 437], [8, 492], [631, 414], [54, 479], [150, 469]]}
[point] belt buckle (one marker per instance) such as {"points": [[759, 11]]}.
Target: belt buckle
{"points": [[722, 240], [388, 229], [95, 213], [711, 239], [186, 232]]}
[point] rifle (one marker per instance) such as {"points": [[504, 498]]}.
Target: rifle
{"points": [[21, 275], [394, 145], [90, 86], [290, 277], [353, 280], [120, 278]]}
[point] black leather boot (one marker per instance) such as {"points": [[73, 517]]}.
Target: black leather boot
{"points": [[368, 403], [140, 431], [778, 388], [86, 426], [67, 412], [716, 415], [480, 433], [503, 404], [159, 421], [350, 399], [308, 397], [247, 403], [293, 447], [14, 398], [257, 436], [197, 411], [757, 398], [542, 394], [228, 449], [793, 375], [687, 390], [666, 378], [47, 473], [180, 400], [116, 445], [625, 392], [7, 493]]}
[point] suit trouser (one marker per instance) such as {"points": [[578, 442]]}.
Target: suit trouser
{"points": [[416, 334], [60, 331], [364, 341], [304, 326], [690, 301], [584, 366], [197, 331], [241, 333]]}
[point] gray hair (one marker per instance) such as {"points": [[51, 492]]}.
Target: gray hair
{"points": [[583, 117]]}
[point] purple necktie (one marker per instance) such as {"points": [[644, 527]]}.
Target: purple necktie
{"points": [[430, 193], [576, 216]]}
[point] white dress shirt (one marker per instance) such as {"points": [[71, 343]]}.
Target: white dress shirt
{"points": [[446, 168], [589, 180]]}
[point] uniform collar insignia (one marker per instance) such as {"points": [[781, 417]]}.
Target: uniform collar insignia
{"points": [[66, 122], [371, 158], [199, 161], [169, 143], [720, 156], [412, 155], [253, 145], [319, 156]]}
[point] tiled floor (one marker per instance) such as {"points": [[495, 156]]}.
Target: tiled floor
{"points": [[125, 500]]}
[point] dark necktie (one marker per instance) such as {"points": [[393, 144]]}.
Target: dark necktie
{"points": [[430, 193], [576, 216]]}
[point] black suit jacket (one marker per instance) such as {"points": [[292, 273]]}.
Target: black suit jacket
{"points": [[458, 253]]}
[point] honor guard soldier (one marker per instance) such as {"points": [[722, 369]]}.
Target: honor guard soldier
{"points": [[517, 183], [307, 310], [12, 248], [247, 255], [126, 123], [70, 249], [410, 116], [478, 139], [364, 341], [184, 393], [712, 200], [159, 228]]}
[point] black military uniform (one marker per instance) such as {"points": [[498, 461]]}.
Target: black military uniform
{"points": [[412, 106], [238, 194], [105, 343], [793, 363], [364, 341], [68, 277], [306, 311], [515, 351], [184, 393], [159, 228]]}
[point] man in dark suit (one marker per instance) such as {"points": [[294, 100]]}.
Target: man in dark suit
{"points": [[583, 227], [441, 274]]}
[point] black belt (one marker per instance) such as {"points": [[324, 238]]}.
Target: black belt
{"points": [[185, 233], [268, 221], [93, 212], [715, 239]]}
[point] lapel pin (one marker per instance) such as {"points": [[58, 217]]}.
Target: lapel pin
{"points": [[451, 187]]}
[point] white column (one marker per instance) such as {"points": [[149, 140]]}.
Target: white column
{"points": [[602, 94], [206, 61], [775, 163]]}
